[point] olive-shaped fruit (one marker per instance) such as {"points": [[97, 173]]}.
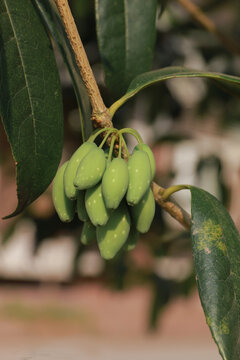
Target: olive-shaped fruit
{"points": [[112, 236], [140, 176], [132, 238], [90, 169], [81, 208], [95, 206], [115, 183], [72, 166], [146, 148], [143, 212], [88, 234], [65, 207]]}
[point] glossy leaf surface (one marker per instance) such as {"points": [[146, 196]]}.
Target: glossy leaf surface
{"points": [[30, 102], [216, 252], [126, 36], [227, 82]]}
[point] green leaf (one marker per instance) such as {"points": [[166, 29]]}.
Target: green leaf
{"points": [[216, 252], [30, 102], [126, 34], [51, 17], [227, 82]]}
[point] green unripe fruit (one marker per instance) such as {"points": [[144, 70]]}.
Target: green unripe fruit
{"points": [[65, 207], [115, 183], [90, 170], [88, 234], [112, 236], [132, 239], [95, 206], [146, 148], [81, 209], [143, 212], [140, 176], [72, 166]]}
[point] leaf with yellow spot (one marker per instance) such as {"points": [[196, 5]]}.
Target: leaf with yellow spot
{"points": [[210, 235], [216, 253]]}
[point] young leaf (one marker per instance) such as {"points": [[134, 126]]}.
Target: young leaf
{"points": [[50, 15], [126, 34], [216, 252], [227, 82], [30, 102]]}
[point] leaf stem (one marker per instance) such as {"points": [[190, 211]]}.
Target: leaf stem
{"points": [[116, 105], [172, 207], [172, 189], [100, 114]]}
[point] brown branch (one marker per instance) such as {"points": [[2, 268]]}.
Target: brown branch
{"points": [[209, 25], [100, 114], [171, 207]]}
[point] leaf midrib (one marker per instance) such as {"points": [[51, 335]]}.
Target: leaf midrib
{"points": [[25, 75]]}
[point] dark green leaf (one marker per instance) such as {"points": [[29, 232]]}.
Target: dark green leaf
{"points": [[30, 102], [50, 15], [126, 35], [227, 82], [216, 252]]}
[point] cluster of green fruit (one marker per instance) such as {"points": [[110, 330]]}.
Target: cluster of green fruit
{"points": [[112, 196]]}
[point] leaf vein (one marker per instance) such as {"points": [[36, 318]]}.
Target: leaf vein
{"points": [[19, 91], [24, 71], [9, 40]]}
